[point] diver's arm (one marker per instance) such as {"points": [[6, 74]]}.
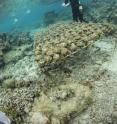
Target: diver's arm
{"points": [[80, 6], [66, 3]]}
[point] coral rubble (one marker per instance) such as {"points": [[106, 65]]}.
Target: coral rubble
{"points": [[62, 40], [17, 102]]}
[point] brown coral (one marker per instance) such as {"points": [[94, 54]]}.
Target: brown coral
{"points": [[62, 39]]}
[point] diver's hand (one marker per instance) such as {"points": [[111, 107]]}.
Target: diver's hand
{"points": [[80, 7], [65, 5]]}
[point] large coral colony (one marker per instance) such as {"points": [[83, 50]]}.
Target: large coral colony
{"points": [[31, 103], [62, 40]]}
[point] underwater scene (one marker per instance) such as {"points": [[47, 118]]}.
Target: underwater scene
{"points": [[58, 61]]}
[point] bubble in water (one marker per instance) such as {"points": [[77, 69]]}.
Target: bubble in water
{"points": [[28, 11], [15, 20]]}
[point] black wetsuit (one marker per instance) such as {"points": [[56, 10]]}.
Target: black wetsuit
{"points": [[75, 10]]}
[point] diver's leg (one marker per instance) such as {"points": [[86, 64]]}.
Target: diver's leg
{"points": [[80, 15], [81, 18], [74, 14]]}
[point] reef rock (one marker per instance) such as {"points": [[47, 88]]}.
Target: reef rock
{"points": [[62, 40]]}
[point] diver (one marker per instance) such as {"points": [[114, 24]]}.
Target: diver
{"points": [[77, 9]]}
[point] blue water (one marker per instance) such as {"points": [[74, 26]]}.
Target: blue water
{"points": [[30, 17]]}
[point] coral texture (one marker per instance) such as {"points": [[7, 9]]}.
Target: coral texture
{"points": [[62, 40]]}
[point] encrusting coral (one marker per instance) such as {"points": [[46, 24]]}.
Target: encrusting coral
{"points": [[61, 104], [62, 40]]}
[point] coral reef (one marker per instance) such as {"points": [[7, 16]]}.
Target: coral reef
{"points": [[102, 11], [60, 104], [23, 69], [17, 102], [28, 99], [26, 96], [60, 41], [4, 46], [16, 54], [16, 95], [19, 38], [1, 59], [11, 48]]}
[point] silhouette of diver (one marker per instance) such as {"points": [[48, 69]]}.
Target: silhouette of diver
{"points": [[77, 9]]}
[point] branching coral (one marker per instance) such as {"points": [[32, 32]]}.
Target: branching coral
{"points": [[64, 39]]}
